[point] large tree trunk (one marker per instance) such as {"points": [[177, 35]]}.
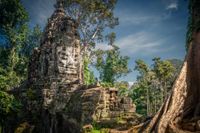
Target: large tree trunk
{"points": [[181, 111]]}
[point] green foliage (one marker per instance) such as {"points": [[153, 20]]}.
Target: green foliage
{"points": [[111, 65], [8, 79], [13, 30], [13, 67], [17, 40], [105, 130], [106, 84], [96, 131], [138, 94], [93, 17], [122, 87], [141, 67], [32, 41], [88, 74], [11, 74], [12, 15], [102, 127], [8, 105], [163, 69], [177, 63], [96, 126], [111, 38], [153, 85]]}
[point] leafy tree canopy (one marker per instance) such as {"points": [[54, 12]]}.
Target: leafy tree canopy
{"points": [[153, 83], [93, 16], [111, 65]]}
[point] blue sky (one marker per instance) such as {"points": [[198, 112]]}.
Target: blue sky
{"points": [[147, 29]]}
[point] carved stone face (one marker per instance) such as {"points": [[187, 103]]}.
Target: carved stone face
{"points": [[66, 59]]}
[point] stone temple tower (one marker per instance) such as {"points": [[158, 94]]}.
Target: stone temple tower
{"points": [[54, 70], [58, 57]]}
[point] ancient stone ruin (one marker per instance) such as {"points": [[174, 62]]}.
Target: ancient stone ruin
{"points": [[54, 91], [58, 58]]}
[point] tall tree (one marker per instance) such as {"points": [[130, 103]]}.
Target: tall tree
{"points": [[138, 94], [111, 65], [89, 77], [93, 17], [32, 40], [152, 85], [164, 70], [181, 111], [17, 41], [13, 32], [13, 15], [144, 81]]}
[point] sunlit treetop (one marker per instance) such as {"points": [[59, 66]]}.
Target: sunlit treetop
{"points": [[93, 17]]}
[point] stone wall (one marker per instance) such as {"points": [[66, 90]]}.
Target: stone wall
{"points": [[98, 104], [86, 106]]}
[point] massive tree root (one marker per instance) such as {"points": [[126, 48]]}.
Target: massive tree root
{"points": [[181, 111]]}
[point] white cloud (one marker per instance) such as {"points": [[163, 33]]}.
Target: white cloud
{"points": [[173, 5], [103, 46], [131, 18], [142, 43], [136, 19]]}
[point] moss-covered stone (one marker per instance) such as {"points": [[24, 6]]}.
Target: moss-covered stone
{"points": [[24, 128]]}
